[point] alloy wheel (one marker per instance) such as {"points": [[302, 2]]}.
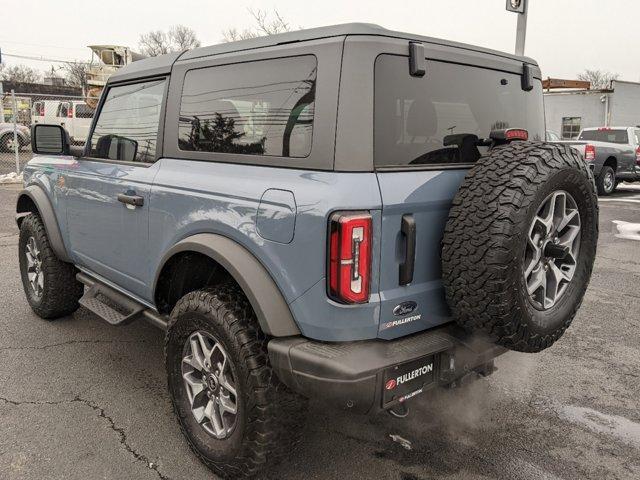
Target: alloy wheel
{"points": [[35, 274], [210, 384], [552, 249], [608, 182]]}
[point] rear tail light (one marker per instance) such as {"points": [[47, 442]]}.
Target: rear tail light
{"points": [[350, 257], [638, 156], [516, 134], [509, 134], [589, 153]]}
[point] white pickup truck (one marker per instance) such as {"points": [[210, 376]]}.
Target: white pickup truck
{"points": [[613, 154]]}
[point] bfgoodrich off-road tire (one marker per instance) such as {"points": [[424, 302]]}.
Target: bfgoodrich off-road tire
{"points": [[488, 233], [56, 291], [269, 418]]}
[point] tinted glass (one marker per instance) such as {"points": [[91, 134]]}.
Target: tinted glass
{"points": [[605, 135], [63, 109], [83, 110], [439, 118], [256, 108], [637, 137], [129, 118]]}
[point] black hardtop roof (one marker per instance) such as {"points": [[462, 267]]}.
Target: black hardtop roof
{"points": [[162, 64]]}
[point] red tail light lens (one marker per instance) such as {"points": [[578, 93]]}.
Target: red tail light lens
{"points": [[350, 257], [516, 134], [638, 156], [589, 153]]}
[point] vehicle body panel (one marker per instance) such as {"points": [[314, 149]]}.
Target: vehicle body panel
{"points": [[44, 111], [105, 235], [190, 197]]}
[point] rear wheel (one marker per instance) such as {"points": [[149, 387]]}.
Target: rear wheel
{"points": [[237, 416], [606, 181], [519, 244]]}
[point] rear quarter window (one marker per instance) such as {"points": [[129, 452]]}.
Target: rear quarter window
{"points": [[437, 119], [263, 107]]}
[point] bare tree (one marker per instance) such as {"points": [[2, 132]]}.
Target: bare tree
{"points": [[154, 43], [599, 79], [75, 73], [183, 38], [158, 42], [263, 26], [20, 73]]}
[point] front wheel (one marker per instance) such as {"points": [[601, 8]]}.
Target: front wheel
{"points": [[7, 143], [49, 283], [236, 415], [606, 181]]}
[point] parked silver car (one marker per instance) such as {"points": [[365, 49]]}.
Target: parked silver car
{"points": [[7, 141]]}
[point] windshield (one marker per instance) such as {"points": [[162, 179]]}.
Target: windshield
{"points": [[439, 118], [605, 135]]}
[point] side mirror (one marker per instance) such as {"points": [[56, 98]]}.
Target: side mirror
{"points": [[49, 139], [116, 147]]}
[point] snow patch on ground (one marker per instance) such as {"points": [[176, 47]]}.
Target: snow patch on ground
{"points": [[12, 177]]}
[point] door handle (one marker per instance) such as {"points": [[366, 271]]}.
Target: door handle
{"points": [[408, 230], [135, 200]]}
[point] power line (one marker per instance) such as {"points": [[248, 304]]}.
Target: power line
{"points": [[4, 40], [41, 59]]}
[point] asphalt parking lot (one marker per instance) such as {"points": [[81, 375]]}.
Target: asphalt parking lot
{"points": [[82, 400]]}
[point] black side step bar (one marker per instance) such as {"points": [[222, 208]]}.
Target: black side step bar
{"points": [[114, 307]]}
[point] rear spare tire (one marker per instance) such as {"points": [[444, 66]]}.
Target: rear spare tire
{"points": [[520, 243]]}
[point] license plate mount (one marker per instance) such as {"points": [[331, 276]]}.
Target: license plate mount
{"points": [[406, 380]]}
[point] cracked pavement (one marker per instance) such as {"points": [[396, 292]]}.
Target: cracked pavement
{"points": [[81, 399]]}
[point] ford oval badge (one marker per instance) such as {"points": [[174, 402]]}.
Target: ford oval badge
{"points": [[405, 308]]}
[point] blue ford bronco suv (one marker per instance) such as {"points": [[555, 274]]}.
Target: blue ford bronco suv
{"points": [[346, 213]]}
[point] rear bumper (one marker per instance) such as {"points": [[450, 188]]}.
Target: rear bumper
{"points": [[352, 375]]}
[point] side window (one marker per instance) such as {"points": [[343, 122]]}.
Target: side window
{"points": [[637, 137], [63, 109], [256, 108], [38, 109], [570, 127], [84, 111], [127, 125]]}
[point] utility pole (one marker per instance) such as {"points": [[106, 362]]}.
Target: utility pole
{"points": [[521, 8]]}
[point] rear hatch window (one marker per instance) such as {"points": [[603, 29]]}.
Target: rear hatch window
{"points": [[437, 119], [605, 135]]}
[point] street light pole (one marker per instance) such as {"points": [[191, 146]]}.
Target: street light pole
{"points": [[521, 8]]}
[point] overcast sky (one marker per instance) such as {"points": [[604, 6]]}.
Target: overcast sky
{"points": [[565, 36]]}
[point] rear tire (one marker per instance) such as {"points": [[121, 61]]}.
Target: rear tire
{"points": [[269, 417], [493, 227], [606, 181], [49, 284]]}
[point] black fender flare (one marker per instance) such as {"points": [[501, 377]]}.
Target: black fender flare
{"points": [[39, 198], [272, 310]]}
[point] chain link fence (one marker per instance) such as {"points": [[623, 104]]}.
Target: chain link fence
{"points": [[19, 111]]}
